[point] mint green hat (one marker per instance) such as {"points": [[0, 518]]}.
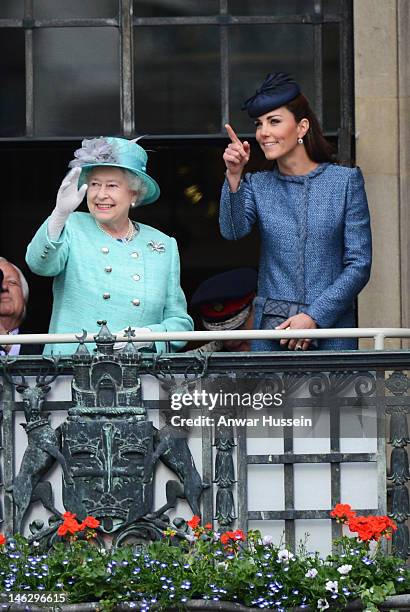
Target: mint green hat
{"points": [[117, 152]]}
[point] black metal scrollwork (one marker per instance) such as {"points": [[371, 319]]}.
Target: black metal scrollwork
{"points": [[397, 383], [224, 475]]}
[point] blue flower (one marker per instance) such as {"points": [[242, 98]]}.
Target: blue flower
{"points": [[367, 561]]}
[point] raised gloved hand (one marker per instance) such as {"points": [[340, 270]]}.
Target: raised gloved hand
{"points": [[69, 197], [120, 345]]}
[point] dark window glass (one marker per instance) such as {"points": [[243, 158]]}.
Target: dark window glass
{"points": [[331, 6], [331, 77], [177, 80], [269, 7], [12, 75], [74, 9], [175, 8], [255, 51], [11, 9], [77, 81]]}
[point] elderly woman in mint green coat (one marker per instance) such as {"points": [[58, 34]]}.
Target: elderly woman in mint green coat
{"points": [[106, 266]]}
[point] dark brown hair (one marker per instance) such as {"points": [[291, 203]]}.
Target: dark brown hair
{"points": [[317, 147]]}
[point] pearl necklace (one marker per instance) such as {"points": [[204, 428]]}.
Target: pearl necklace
{"points": [[128, 236]]}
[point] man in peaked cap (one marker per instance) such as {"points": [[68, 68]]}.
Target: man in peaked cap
{"points": [[224, 302]]}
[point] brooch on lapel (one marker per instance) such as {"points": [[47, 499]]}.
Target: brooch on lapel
{"points": [[156, 247]]}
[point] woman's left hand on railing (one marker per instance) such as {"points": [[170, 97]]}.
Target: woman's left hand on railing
{"points": [[299, 321]]}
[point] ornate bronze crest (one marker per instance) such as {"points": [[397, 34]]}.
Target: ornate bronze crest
{"points": [[110, 463], [107, 449]]}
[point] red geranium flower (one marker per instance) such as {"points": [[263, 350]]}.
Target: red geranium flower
{"points": [[367, 527], [226, 537], [194, 521], [342, 512], [62, 530], [3, 539], [239, 535], [71, 528], [361, 526], [70, 525], [232, 536], [90, 522], [372, 527], [69, 515]]}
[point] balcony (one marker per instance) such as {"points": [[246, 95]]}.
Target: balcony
{"points": [[248, 440]]}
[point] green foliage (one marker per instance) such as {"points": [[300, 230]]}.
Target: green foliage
{"points": [[168, 573]]}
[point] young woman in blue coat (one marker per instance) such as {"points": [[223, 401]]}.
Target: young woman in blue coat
{"points": [[106, 266], [312, 215]]}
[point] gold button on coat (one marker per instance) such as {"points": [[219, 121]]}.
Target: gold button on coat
{"points": [[106, 296], [105, 250], [136, 302], [136, 277], [134, 254], [108, 269]]}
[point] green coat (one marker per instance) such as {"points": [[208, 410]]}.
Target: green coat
{"points": [[98, 277]]}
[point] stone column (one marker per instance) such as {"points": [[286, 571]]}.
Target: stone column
{"points": [[403, 40], [382, 85]]}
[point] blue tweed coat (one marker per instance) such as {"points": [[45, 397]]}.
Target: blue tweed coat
{"points": [[316, 241], [98, 277]]}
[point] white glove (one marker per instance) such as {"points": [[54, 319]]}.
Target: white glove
{"points": [[120, 345], [69, 197]]}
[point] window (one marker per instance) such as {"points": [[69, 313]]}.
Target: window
{"points": [[176, 70], [168, 68]]}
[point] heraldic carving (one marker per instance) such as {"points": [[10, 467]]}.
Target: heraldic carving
{"points": [[107, 449]]}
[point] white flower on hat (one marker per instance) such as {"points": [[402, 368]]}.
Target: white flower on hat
{"points": [[94, 151]]}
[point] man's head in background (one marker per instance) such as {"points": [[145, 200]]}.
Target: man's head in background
{"points": [[224, 302], [13, 296]]}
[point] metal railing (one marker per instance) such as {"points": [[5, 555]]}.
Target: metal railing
{"points": [[379, 334]]}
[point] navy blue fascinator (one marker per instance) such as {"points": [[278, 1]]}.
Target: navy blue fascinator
{"points": [[276, 90]]}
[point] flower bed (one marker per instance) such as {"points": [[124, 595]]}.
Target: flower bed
{"points": [[229, 571]]}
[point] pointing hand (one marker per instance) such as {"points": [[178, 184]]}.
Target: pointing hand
{"points": [[236, 154]]}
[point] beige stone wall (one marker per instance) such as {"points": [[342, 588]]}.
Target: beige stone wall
{"points": [[404, 153], [382, 120]]}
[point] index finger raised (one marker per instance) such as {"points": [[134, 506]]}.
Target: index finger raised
{"points": [[231, 133]]}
